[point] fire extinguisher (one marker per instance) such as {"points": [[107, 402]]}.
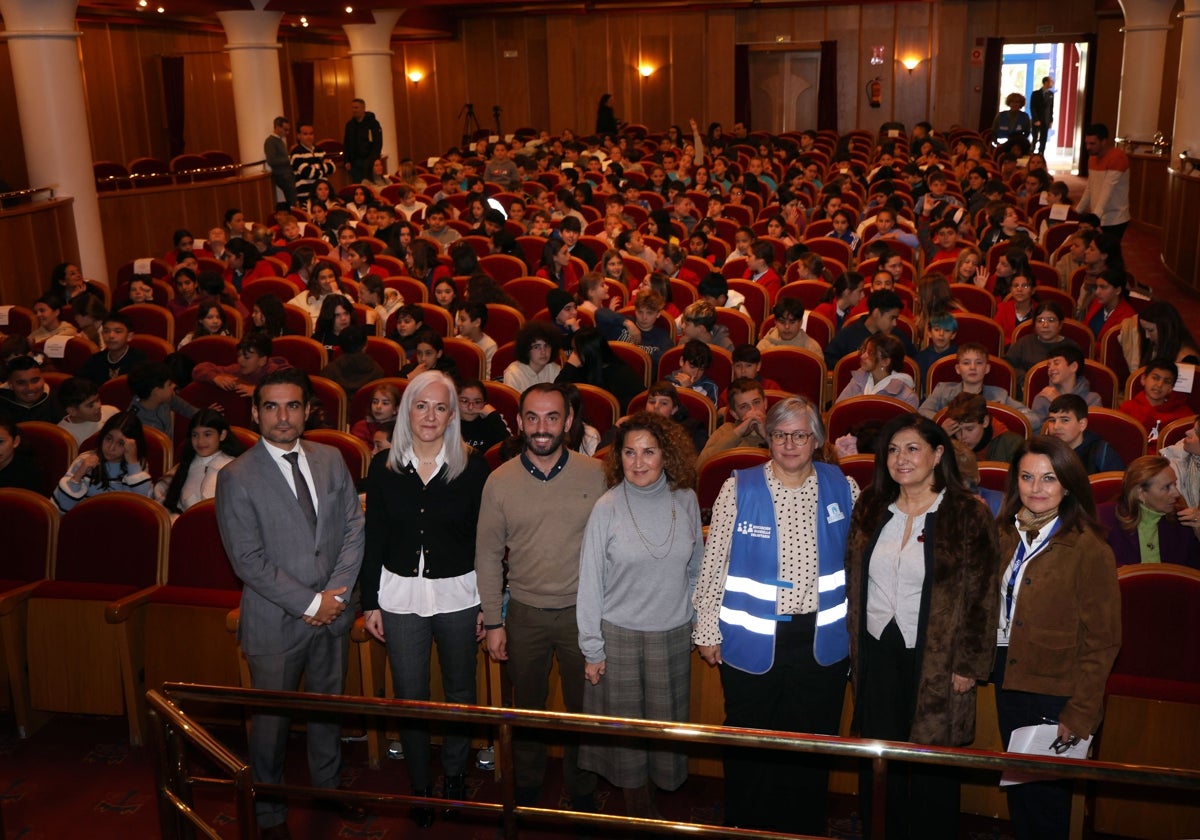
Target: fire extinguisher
{"points": [[874, 92]]}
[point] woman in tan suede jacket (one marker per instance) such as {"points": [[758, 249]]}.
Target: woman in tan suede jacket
{"points": [[1060, 617]]}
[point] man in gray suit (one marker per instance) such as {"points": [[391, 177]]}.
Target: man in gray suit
{"points": [[292, 525], [275, 150]]}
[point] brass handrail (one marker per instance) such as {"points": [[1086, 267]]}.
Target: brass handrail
{"points": [[12, 194], [175, 727], [133, 177]]}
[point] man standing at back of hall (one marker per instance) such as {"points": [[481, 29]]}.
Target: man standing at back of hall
{"points": [[275, 151], [537, 506], [1107, 190], [292, 525], [362, 142]]}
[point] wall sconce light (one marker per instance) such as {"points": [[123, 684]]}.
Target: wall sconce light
{"points": [[910, 64], [415, 76], [646, 70]]}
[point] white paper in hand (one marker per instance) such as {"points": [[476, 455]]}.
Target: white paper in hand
{"points": [[1037, 740]]}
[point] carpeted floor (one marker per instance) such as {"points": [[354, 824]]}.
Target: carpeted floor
{"points": [[79, 778]]}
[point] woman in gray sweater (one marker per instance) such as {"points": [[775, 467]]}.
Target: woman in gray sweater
{"points": [[637, 570]]}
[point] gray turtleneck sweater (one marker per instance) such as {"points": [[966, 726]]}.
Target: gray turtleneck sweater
{"points": [[621, 580]]}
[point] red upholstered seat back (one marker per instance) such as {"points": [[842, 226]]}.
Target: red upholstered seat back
{"points": [[1160, 626], [27, 547], [114, 538], [197, 557]]}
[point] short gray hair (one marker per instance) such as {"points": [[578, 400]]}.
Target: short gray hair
{"points": [[797, 408]]}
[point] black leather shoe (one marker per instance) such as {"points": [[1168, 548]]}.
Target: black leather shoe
{"points": [[422, 815]]}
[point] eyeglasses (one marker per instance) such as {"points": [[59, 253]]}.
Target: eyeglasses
{"points": [[798, 438], [470, 402], [1047, 320]]}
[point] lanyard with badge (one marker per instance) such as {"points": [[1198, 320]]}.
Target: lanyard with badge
{"points": [[1022, 556]]}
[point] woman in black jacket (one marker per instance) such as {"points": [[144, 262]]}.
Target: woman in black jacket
{"points": [[418, 573]]}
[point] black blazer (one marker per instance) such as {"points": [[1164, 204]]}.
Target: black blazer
{"points": [[405, 517]]}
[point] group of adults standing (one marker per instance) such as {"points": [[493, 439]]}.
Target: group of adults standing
{"points": [[295, 172], [911, 590], [934, 598]]}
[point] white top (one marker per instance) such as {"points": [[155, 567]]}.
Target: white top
{"points": [[897, 575], [201, 480], [419, 595], [520, 376], [83, 431], [1032, 548]]}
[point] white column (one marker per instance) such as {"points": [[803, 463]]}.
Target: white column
{"points": [[44, 51], [371, 61], [1146, 25], [253, 47], [1186, 134]]}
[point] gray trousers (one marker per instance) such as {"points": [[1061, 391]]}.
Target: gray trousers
{"points": [[321, 660], [409, 641]]}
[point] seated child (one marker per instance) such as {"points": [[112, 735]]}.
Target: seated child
{"points": [[80, 399], [482, 425], [967, 420], [385, 405], [210, 445], [254, 361], [1158, 403], [881, 371], [115, 465], [693, 364], [154, 397], [354, 368], [943, 329]]}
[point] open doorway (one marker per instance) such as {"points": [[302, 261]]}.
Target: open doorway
{"points": [[784, 85], [1024, 66]]}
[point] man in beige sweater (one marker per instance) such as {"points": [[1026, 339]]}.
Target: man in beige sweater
{"points": [[536, 506]]}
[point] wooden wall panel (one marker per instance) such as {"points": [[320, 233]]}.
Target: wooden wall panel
{"points": [[841, 25], [953, 77], [49, 224], [564, 62], [1106, 91], [718, 103], [332, 87], [139, 223]]}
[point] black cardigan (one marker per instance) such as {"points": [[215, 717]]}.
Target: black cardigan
{"points": [[405, 516]]}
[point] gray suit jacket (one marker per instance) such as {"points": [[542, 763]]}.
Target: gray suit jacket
{"points": [[275, 553]]}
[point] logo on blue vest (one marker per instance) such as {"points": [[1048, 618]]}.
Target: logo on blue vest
{"points": [[749, 529]]}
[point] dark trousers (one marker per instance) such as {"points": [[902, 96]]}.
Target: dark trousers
{"points": [[922, 800], [410, 638], [773, 790], [321, 660], [1116, 232], [535, 636], [1038, 137], [1039, 810]]}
